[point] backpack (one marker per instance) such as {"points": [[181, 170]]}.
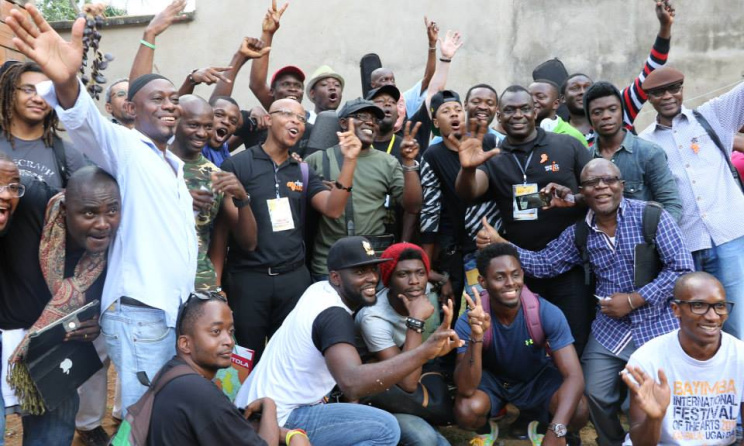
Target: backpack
{"points": [[651, 217], [530, 307], [61, 159], [135, 426]]}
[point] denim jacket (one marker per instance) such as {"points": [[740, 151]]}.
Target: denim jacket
{"points": [[644, 168]]}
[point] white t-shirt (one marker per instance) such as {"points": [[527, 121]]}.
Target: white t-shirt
{"points": [[292, 370], [380, 325], [706, 395]]}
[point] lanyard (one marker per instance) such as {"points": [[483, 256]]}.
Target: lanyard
{"points": [[390, 146], [526, 165], [276, 178]]}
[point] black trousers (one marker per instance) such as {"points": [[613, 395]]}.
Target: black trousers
{"points": [[569, 293], [261, 302]]}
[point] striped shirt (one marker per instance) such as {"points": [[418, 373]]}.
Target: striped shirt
{"points": [[712, 202], [612, 261]]}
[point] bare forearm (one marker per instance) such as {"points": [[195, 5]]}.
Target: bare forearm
{"points": [[438, 81], [569, 396], [410, 382], [665, 31], [223, 88], [646, 433], [187, 87], [268, 428], [259, 75], [67, 92], [431, 65], [412, 192], [368, 379], [336, 201], [144, 58], [246, 230], [469, 370]]}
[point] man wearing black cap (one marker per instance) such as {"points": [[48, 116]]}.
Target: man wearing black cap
{"points": [[153, 258], [447, 221], [378, 178], [530, 159], [314, 351], [387, 139], [643, 165], [698, 145]]}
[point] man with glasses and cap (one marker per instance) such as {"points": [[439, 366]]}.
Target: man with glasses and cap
{"points": [[697, 397], [314, 350], [698, 146], [627, 315]]}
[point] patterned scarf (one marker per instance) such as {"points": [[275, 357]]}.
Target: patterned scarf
{"points": [[68, 294]]}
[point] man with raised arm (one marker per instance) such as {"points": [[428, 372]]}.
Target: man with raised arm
{"points": [[153, 258]]}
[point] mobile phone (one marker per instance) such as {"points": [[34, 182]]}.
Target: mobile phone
{"points": [[536, 200]]}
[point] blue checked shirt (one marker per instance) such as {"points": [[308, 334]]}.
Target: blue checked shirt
{"points": [[612, 263]]}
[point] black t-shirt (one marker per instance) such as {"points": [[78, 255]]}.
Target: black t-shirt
{"points": [[23, 290], [423, 136], [556, 159], [332, 326], [191, 410], [255, 169], [253, 137], [383, 146]]}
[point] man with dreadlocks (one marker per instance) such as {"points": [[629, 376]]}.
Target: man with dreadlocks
{"points": [[29, 127]]}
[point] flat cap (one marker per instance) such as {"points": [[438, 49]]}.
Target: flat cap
{"points": [[662, 77]]}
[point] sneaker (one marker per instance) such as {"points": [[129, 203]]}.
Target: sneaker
{"points": [[95, 437], [489, 439], [532, 434]]}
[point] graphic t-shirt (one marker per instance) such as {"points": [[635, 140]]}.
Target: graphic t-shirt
{"points": [[197, 175], [35, 160], [706, 395]]}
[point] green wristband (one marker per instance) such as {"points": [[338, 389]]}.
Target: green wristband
{"points": [[147, 44]]}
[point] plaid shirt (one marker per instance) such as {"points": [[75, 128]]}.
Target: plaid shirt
{"points": [[612, 262]]}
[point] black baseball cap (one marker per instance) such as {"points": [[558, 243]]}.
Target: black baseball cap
{"points": [[437, 101], [350, 252], [359, 104], [392, 90]]}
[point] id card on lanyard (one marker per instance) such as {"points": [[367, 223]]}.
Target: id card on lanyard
{"points": [[525, 188], [280, 211]]}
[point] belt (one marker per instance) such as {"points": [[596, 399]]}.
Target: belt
{"points": [[130, 302], [281, 269]]}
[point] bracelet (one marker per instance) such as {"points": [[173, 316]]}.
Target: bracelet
{"points": [[294, 432], [630, 302], [433, 48], [341, 186], [414, 168], [191, 77], [442, 59], [242, 203], [443, 282], [473, 341], [147, 44], [414, 324]]}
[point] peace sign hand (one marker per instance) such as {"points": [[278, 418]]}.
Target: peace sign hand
{"points": [[444, 339], [470, 148], [409, 148], [270, 22], [479, 320]]}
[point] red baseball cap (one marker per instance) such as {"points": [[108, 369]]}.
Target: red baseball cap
{"points": [[289, 69]]}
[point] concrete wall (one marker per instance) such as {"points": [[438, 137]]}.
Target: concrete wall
{"points": [[504, 40]]}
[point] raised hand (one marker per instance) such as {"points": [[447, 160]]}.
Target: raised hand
{"points": [[665, 12], [479, 320], [487, 235], [270, 22], [409, 148], [451, 43], [59, 59], [349, 142], [470, 148], [165, 18], [228, 183], [652, 398], [432, 31], [444, 339], [253, 48], [210, 75], [418, 307]]}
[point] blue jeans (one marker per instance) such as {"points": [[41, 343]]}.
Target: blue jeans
{"points": [[340, 424], [55, 427], [138, 340], [415, 431], [726, 262]]}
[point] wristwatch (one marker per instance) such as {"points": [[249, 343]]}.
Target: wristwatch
{"points": [[414, 324], [558, 429], [242, 203]]}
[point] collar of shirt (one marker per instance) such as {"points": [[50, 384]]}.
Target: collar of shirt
{"points": [[539, 141], [684, 114], [592, 222], [260, 153], [626, 145], [175, 162]]}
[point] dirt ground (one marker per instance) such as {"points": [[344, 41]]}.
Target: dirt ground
{"points": [[457, 437]]}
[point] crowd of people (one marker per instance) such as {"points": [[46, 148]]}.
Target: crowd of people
{"points": [[393, 263]]}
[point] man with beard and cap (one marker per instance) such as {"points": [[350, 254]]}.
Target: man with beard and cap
{"points": [[387, 139], [53, 262], [643, 164], [194, 131], [378, 177], [264, 280], [712, 202], [634, 97], [530, 159], [627, 315], [481, 104], [395, 324], [314, 351], [153, 258], [447, 221], [547, 99]]}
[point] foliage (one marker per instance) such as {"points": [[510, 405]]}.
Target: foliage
{"points": [[58, 10]]}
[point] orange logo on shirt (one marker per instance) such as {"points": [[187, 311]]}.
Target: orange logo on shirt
{"points": [[295, 186], [543, 158]]}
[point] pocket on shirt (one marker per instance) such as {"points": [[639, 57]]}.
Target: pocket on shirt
{"points": [[634, 189]]}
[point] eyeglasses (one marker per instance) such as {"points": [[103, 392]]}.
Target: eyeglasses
{"points": [[290, 115], [365, 117], [16, 190], [511, 111], [701, 308], [28, 89], [594, 182], [659, 92], [196, 295]]}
